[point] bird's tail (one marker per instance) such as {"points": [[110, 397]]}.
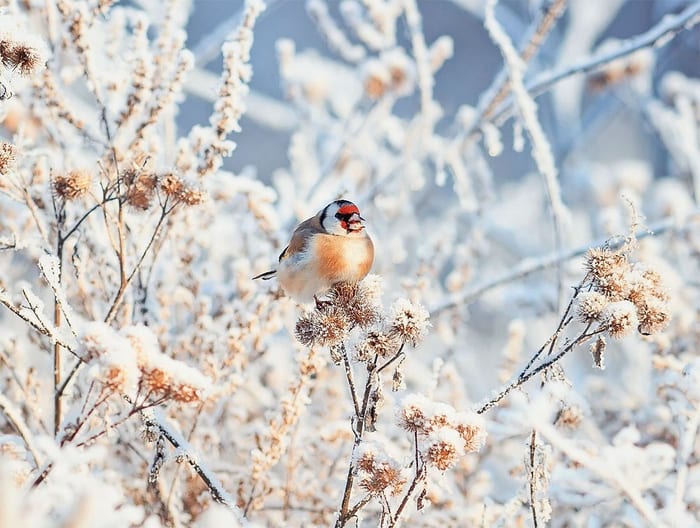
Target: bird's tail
{"points": [[266, 276]]}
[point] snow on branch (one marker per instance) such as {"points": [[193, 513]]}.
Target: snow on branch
{"points": [[153, 418], [659, 35]]}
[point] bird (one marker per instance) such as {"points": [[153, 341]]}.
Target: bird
{"points": [[330, 247]]}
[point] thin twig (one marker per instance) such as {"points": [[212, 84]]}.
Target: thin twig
{"points": [[215, 487], [124, 285], [531, 479], [14, 417], [531, 265], [538, 35], [525, 376], [351, 381], [420, 474], [660, 34]]}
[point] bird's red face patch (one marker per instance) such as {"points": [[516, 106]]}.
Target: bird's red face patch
{"points": [[348, 210]]}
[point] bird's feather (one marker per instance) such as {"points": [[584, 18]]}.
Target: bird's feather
{"points": [[266, 276]]}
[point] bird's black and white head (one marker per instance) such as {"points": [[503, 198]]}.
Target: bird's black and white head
{"points": [[342, 218]]}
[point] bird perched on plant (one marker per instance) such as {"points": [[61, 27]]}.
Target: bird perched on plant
{"points": [[330, 247]]}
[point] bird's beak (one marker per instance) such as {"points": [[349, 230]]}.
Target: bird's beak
{"points": [[355, 222]]}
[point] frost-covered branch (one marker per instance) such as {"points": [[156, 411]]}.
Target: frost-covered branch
{"points": [[659, 35], [527, 110], [14, 416], [532, 265], [154, 420]]}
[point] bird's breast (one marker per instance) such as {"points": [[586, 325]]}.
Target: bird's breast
{"points": [[344, 258]]}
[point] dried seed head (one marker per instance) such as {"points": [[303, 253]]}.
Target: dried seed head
{"points": [[409, 321], [171, 184], [616, 285], [326, 328], [412, 416], [620, 318], [174, 187], [141, 190], [356, 301], [72, 185], [652, 313], [470, 427], [20, 56], [305, 329], [601, 262], [590, 306], [444, 448], [378, 472], [332, 328], [192, 196], [376, 343]]}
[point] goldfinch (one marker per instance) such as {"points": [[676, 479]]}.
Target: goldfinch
{"points": [[330, 247]]}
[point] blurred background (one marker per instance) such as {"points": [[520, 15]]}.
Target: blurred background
{"points": [[610, 117]]}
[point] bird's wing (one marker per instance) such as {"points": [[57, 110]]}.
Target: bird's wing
{"points": [[301, 237]]}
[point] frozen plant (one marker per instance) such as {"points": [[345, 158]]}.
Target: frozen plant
{"points": [[153, 158]]}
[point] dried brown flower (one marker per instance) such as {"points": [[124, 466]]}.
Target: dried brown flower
{"points": [[19, 56], [411, 415], [174, 187], [141, 190], [652, 313], [376, 343], [620, 318], [444, 448], [379, 472], [472, 434], [328, 327], [409, 321], [357, 302], [171, 185], [192, 196], [590, 306], [72, 185], [602, 261]]}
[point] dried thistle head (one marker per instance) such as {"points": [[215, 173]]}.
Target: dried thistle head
{"points": [[192, 196], [409, 321], [379, 472], [357, 302], [601, 262], [21, 56], [444, 448], [412, 415], [171, 184], [72, 185], [590, 306], [620, 318], [141, 190], [376, 343], [652, 313], [329, 327], [175, 187], [470, 427]]}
